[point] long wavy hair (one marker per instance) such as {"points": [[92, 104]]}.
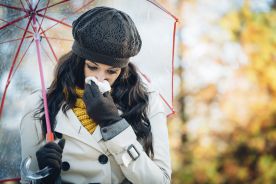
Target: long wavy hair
{"points": [[128, 92]]}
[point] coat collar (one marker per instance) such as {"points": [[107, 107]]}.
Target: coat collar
{"points": [[70, 125]]}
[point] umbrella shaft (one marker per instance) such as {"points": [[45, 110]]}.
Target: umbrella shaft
{"points": [[49, 136]]}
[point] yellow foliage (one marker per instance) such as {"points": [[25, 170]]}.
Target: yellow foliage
{"points": [[249, 106]]}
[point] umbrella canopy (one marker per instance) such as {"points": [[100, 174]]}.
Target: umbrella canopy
{"points": [[34, 34]]}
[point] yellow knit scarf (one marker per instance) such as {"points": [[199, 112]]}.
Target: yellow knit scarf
{"points": [[80, 110]]}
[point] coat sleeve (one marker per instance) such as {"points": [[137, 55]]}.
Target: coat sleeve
{"points": [[30, 134], [144, 169]]}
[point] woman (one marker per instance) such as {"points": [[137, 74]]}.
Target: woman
{"points": [[116, 137]]}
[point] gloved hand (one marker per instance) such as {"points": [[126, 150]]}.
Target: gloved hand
{"points": [[50, 155], [100, 107]]}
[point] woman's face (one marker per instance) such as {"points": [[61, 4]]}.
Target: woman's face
{"points": [[101, 71]]}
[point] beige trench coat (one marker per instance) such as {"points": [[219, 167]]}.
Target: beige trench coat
{"points": [[93, 160]]}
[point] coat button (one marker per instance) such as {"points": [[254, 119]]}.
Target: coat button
{"points": [[104, 130], [103, 159], [65, 166]]}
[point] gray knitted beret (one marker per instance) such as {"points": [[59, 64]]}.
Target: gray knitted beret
{"points": [[106, 35]]}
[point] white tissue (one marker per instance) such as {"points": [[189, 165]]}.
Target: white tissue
{"points": [[103, 86]]}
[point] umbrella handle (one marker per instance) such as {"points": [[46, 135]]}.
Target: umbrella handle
{"points": [[33, 175]]}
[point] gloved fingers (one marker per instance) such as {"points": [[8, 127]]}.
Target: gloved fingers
{"points": [[85, 99], [53, 146], [108, 96], [53, 163], [50, 149], [53, 173], [61, 143], [87, 96], [93, 89], [44, 160], [48, 159], [52, 155]]}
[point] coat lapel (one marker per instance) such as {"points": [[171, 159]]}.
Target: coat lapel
{"points": [[71, 126]]}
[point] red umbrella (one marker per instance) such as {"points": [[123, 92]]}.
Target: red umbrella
{"points": [[35, 33]]}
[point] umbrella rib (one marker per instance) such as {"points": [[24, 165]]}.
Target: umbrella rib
{"points": [[52, 26], [148, 80], [40, 25], [84, 6], [162, 8], [52, 5], [13, 7], [145, 76], [14, 21], [23, 5], [176, 20], [53, 38], [44, 50], [16, 26], [22, 58], [37, 5], [69, 16], [174, 32], [29, 4], [7, 41], [53, 19], [171, 108], [12, 67], [49, 43]]}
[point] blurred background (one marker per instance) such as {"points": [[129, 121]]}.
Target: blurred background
{"points": [[224, 129]]}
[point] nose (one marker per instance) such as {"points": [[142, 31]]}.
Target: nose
{"points": [[100, 76]]}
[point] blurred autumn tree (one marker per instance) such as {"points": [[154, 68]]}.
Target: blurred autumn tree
{"points": [[242, 149]]}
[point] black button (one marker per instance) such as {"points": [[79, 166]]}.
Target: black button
{"points": [[103, 159], [104, 130], [58, 135], [65, 166]]}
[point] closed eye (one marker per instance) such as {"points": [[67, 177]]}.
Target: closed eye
{"points": [[112, 71], [92, 68]]}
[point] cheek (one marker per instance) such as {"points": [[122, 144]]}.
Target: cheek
{"points": [[115, 77], [88, 73]]}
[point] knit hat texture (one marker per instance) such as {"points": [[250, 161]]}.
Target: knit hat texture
{"points": [[106, 35]]}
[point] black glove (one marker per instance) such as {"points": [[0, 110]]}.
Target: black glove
{"points": [[50, 155], [100, 107]]}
